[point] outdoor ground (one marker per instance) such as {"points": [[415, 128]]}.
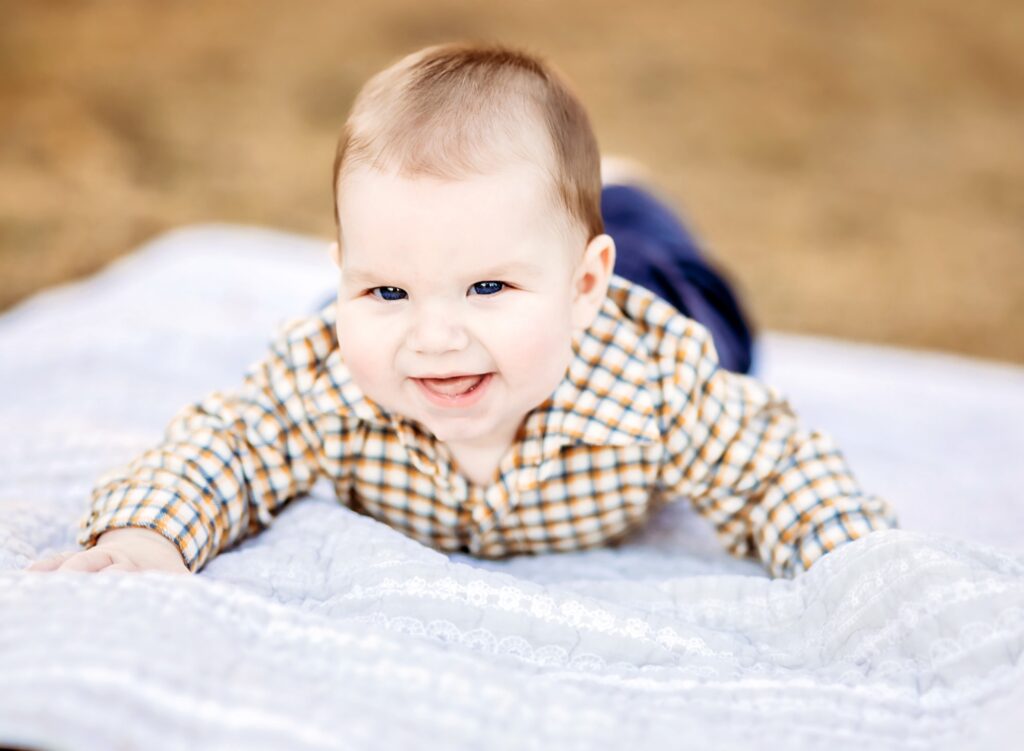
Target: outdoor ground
{"points": [[858, 167]]}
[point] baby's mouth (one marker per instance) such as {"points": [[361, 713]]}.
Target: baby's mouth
{"points": [[455, 386]]}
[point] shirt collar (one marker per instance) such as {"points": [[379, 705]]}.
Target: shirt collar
{"points": [[605, 397], [334, 391]]}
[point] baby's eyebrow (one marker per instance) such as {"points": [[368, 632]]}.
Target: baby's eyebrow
{"points": [[365, 276], [358, 276], [513, 267]]}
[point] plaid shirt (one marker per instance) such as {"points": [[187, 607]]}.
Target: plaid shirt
{"points": [[644, 415]]}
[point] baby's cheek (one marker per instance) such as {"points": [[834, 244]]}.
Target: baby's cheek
{"points": [[540, 343], [365, 352], [534, 345]]}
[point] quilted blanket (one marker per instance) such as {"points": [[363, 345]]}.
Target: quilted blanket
{"points": [[330, 630]]}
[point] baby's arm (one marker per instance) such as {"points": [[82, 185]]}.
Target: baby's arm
{"points": [[769, 485], [226, 464]]}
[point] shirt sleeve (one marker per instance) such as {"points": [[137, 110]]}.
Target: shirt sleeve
{"points": [[225, 465], [770, 486]]}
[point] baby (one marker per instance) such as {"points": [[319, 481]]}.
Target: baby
{"points": [[484, 381]]}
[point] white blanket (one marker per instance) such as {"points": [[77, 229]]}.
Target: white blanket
{"points": [[330, 630]]}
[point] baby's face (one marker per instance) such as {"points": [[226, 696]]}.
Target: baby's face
{"points": [[456, 304]]}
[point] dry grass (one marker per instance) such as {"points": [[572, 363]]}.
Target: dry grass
{"points": [[857, 166]]}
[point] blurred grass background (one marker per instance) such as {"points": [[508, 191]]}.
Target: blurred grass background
{"points": [[857, 167]]}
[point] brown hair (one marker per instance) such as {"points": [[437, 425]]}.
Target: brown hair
{"points": [[459, 109]]}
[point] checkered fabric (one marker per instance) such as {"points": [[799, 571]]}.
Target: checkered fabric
{"points": [[644, 415]]}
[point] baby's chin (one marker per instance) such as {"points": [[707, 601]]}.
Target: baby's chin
{"points": [[476, 430], [452, 428]]}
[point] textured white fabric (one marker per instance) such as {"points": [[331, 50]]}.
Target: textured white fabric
{"points": [[330, 630]]}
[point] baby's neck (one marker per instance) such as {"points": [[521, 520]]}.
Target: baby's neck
{"points": [[479, 469], [479, 463]]}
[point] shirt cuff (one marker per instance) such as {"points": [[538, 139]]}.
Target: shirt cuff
{"points": [[158, 509], [832, 532]]}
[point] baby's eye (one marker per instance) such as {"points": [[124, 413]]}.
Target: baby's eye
{"points": [[388, 294], [488, 288]]}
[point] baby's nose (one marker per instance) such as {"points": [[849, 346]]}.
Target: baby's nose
{"points": [[436, 330]]}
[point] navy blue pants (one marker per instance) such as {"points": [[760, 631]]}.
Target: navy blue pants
{"points": [[655, 250]]}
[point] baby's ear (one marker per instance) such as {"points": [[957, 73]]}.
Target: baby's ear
{"points": [[335, 256], [590, 282]]}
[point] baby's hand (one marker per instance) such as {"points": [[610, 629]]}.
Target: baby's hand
{"points": [[123, 549]]}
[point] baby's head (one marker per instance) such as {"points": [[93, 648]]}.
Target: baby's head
{"points": [[470, 240]]}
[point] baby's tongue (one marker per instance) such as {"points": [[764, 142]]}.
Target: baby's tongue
{"points": [[452, 386]]}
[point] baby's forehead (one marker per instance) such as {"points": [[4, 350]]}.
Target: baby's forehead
{"points": [[516, 198], [434, 230]]}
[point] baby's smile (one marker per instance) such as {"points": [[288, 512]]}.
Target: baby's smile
{"points": [[458, 391]]}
